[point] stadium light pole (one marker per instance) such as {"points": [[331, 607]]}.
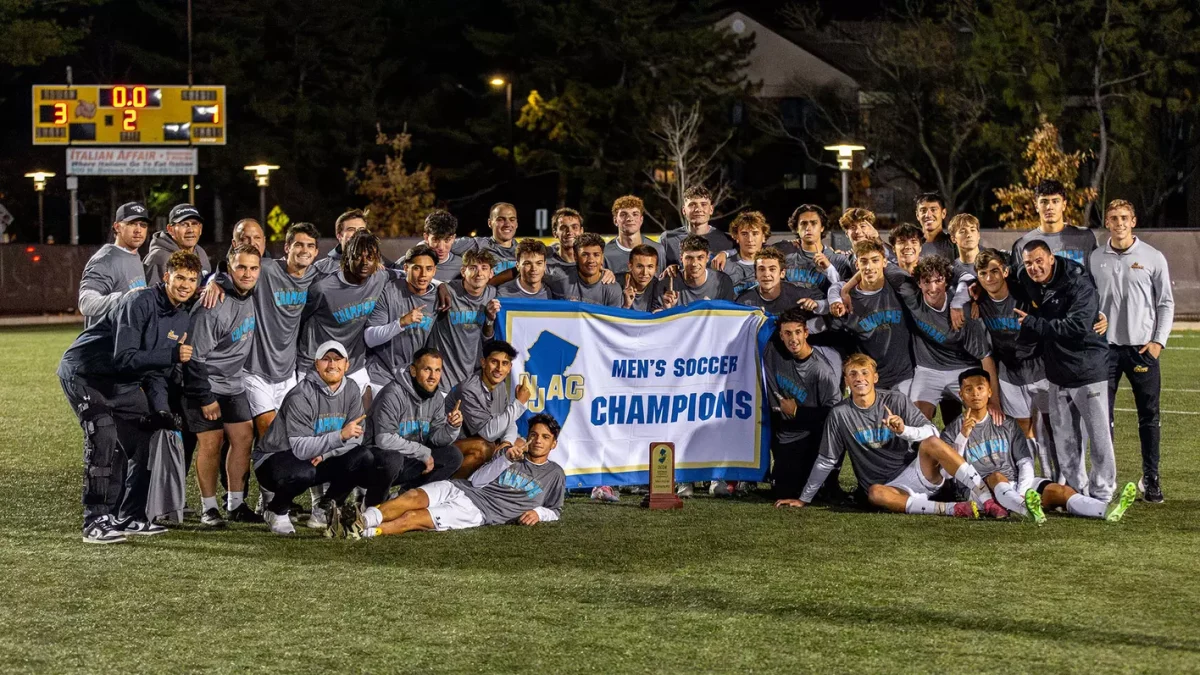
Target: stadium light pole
{"points": [[845, 157], [501, 81], [262, 176], [39, 186]]}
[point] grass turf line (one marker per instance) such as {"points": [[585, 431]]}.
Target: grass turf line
{"points": [[720, 586]]}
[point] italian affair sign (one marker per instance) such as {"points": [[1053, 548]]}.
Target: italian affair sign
{"points": [[618, 380]]}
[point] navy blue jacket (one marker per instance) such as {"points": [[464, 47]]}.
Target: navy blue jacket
{"points": [[137, 342], [1064, 311]]}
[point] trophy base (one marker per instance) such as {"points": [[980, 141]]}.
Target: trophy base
{"points": [[662, 502]]}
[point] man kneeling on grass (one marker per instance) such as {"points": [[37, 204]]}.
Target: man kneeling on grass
{"points": [[897, 457], [519, 485], [999, 452]]}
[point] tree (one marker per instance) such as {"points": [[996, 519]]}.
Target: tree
{"points": [[32, 32], [399, 199], [690, 160], [1047, 161]]}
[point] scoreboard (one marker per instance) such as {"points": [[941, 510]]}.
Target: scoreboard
{"points": [[126, 114]]}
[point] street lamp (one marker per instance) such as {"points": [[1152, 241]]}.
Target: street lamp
{"points": [[845, 156], [500, 81], [262, 176], [39, 186]]}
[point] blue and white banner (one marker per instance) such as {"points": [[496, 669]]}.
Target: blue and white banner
{"points": [[619, 380]]}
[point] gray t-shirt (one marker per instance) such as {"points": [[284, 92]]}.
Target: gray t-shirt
{"points": [[1022, 359], [338, 310], [514, 289], [506, 256], [279, 300], [992, 447], [109, 274], [938, 346], [458, 332], [741, 273], [878, 322], [812, 382], [522, 486], [556, 260], [402, 421], [616, 257], [642, 301], [941, 245], [671, 239], [488, 413], [567, 285], [802, 270], [788, 296], [310, 421], [450, 268], [716, 286], [877, 454], [221, 338], [1072, 243], [386, 362]]}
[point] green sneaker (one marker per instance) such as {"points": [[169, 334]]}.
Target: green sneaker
{"points": [[1033, 504], [1128, 495]]}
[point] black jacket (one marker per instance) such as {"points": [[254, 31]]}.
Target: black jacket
{"points": [[1064, 311], [135, 343]]}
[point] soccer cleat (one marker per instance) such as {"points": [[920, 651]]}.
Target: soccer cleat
{"points": [[317, 520], [993, 509], [129, 526], [101, 531], [720, 488], [352, 521], [685, 490], [1151, 489], [605, 493], [1117, 511], [282, 525], [212, 518], [243, 514], [1033, 504], [966, 509], [333, 516]]}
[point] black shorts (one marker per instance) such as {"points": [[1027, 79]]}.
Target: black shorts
{"points": [[235, 408]]}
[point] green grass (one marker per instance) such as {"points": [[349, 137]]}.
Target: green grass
{"points": [[729, 586]]}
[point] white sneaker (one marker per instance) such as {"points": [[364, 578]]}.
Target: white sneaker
{"points": [[281, 524], [605, 493], [720, 488], [318, 520], [685, 490]]}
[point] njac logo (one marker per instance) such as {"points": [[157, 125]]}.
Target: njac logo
{"points": [[546, 372]]}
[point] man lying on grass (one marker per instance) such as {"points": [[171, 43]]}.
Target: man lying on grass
{"points": [[895, 451], [1000, 454], [519, 485]]}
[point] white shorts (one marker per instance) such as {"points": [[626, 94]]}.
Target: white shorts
{"points": [[1019, 400], [450, 508], [265, 396], [904, 387], [376, 387], [914, 482], [929, 385], [361, 378]]}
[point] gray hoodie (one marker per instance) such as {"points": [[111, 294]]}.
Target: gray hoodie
{"points": [[161, 248], [310, 421]]}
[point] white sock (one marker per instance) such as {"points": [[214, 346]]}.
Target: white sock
{"points": [[370, 532], [924, 506], [372, 517], [1010, 499], [967, 476], [207, 503], [236, 499], [1088, 507]]}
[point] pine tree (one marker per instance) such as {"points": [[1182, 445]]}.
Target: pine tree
{"points": [[400, 199], [1047, 161]]}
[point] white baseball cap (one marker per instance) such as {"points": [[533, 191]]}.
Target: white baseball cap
{"points": [[332, 346]]}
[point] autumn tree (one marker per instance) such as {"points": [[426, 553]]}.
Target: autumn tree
{"points": [[1047, 161], [399, 199]]}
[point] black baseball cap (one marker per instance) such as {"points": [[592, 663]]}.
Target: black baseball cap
{"points": [[130, 212], [182, 212]]}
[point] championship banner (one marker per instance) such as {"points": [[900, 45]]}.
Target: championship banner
{"points": [[618, 380]]}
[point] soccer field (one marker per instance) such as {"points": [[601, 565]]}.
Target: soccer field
{"points": [[721, 586]]}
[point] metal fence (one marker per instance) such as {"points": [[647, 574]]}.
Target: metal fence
{"points": [[38, 280]]}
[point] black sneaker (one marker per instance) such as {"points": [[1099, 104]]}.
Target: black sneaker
{"points": [[141, 528], [1152, 491], [212, 518], [243, 514], [101, 531]]}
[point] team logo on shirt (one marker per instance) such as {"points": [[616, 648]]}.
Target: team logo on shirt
{"points": [[359, 310], [992, 448], [791, 388], [518, 481], [326, 423], [244, 330], [873, 437]]}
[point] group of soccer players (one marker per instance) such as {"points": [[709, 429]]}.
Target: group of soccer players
{"points": [[377, 387]]}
